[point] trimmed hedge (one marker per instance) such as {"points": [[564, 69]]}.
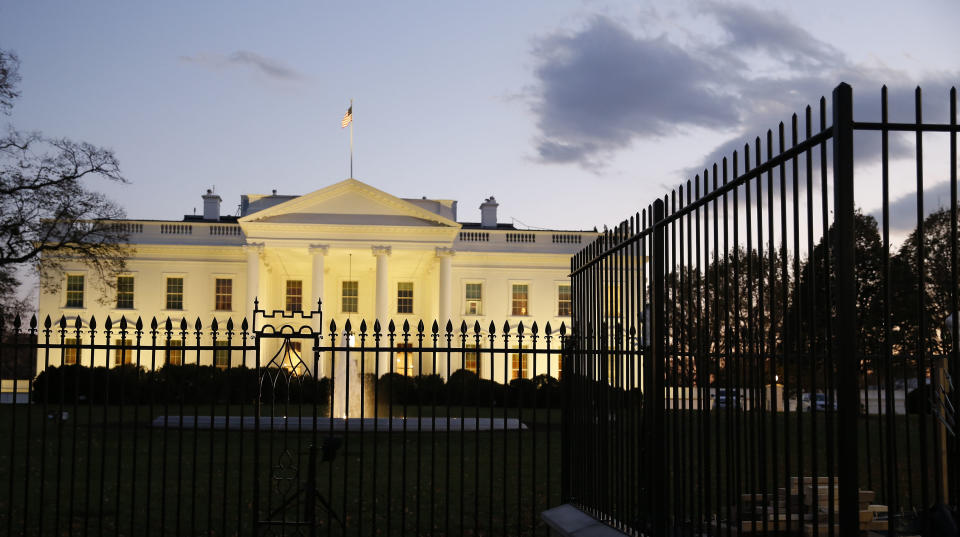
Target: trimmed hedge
{"points": [[192, 384], [174, 384]]}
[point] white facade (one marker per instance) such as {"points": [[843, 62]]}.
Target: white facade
{"points": [[405, 259]]}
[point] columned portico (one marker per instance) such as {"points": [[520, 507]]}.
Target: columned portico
{"points": [[382, 292], [254, 250]]}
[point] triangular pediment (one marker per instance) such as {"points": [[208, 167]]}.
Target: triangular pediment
{"points": [[349, 202]]}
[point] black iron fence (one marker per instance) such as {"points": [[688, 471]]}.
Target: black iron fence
{"points": [[193, 428], [759, 353]]}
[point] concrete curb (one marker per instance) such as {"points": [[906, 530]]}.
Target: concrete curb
{"points": [[568, 521]]}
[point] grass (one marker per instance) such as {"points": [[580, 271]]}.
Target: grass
{"points": [[707, 470], [105, 471]]}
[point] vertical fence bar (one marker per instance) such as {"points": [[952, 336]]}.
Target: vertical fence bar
{"points": [[847, 385], [655, 381]]}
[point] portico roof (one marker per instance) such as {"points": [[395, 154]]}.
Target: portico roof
{"points": [[349, 202]]}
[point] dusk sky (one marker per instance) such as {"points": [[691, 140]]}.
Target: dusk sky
{"points": [[573, 114]]}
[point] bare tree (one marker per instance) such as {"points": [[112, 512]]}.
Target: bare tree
{"points": [[48, 215]]}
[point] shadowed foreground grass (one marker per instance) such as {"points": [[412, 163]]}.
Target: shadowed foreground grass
{"points": [[106, 471]]}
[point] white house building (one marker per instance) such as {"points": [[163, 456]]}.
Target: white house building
{"points": [[365, 253]]}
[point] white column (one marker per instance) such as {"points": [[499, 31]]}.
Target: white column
{"points": [[383, 291], [318, 253], [443, 294], [254, 251], [382, 303]]}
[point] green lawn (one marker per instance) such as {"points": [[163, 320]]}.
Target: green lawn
{"points": [[707, 470], [106, 471]]}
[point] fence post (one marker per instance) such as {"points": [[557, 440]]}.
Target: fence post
{"points": [[654, 382], [847, 356]]}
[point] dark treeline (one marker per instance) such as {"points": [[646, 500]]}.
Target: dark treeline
{"points": [[747, 307]]}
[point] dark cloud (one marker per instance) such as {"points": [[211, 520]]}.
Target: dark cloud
{"points": [[603, 87], [270, 67], [903, 210]]}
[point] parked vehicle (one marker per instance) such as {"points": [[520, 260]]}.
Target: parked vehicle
{"points": [[819, 402], [723, 399]]}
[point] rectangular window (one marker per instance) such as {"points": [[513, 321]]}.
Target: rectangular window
{"points": [[75, 291], [519, 367], [221, 357], [519, 297], [223, 294], [175, 353], [124, 292], [405, 297], [564, 304], [123, 354], [294, 295], [471, 359], [474, 299], [348, 299], [404, 360], [174, 293], [70, 351]]}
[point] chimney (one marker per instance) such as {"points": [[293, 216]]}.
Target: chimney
{"points": [[488, 213], [211, 205]]}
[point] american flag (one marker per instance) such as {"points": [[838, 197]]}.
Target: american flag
{"points": [[347, 118]]}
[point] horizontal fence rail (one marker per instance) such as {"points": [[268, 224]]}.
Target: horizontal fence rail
{"points": [[756, 353], [222, 428]]}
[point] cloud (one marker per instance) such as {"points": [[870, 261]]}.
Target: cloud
{"points": [[602, 87], [903, 210], [270, 67]]}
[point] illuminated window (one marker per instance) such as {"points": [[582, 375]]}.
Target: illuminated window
{"points": [[348, 300], [405, 297], [175, 353], [70, 351], [221, 357], [474, 299], [223, 294], [75, 291], [174, 293], [519, 367], [519, 297], [471, 359], [123, 354], [294, 295], [404, 360], [564, 306], [125, 292]]}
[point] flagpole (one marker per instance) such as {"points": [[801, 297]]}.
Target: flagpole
{"points": [[351, 138]]}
